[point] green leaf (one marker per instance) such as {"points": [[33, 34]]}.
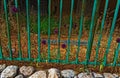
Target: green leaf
{"points": [[101, 67]]}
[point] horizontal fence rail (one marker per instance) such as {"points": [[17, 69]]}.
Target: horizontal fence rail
{"points": [[68, 42]]}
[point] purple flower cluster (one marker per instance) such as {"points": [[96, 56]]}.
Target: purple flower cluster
{"points": [[118, 40], [65, 25], [14, 9], [63, 46], [44, 42], [75, 26], [56, 31]]}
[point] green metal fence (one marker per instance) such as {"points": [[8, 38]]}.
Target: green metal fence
{"points": [[58, 60]]}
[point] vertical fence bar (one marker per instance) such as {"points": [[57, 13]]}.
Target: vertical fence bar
{"points": [[49, 12], [28, 29], [61, 4], [90, 39], [18, 27], [102, 26], [111, 31], [116, 55], [80, 30], [69, 33], [1, 55], [8, 29], [39, 57]]}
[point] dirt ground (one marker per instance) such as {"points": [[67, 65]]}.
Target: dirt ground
{"points": [[82, 53], [53, 47]]}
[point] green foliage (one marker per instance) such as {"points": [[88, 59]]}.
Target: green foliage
{"points": [[44, 25], [44, 55], [22, 19], [87, 24], [65, 20], [2, 16], [101, 67]]}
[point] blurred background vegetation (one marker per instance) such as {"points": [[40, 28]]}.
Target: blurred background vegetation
{"points": [[55, 14]]}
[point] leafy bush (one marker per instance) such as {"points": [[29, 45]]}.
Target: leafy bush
{"points": [[44, 25]]}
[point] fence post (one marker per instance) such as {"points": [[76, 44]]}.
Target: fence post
{"points": [[49, 12], [8, 29], [69, 33], [111, 31], [18, 27], [61, 4], [116, 55], [39, 57], [80, 30], [102, 26], [1, 55], [90, 39], [28, 29]]}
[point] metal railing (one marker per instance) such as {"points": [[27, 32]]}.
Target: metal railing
{"points": [[90, 38]]}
